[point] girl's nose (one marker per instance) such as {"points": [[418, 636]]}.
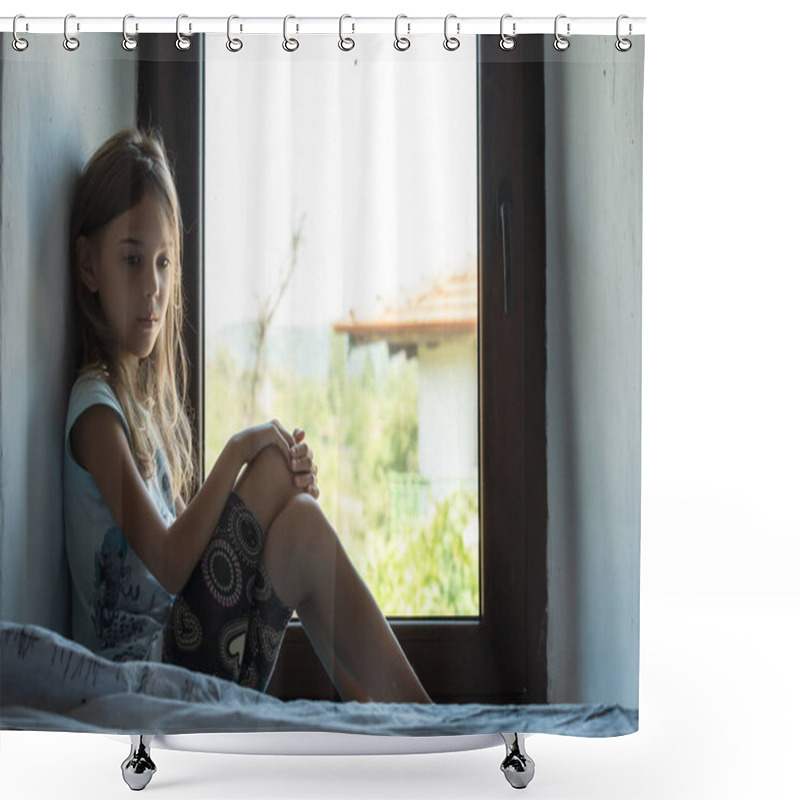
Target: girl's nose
{"points": [[151, 282]]}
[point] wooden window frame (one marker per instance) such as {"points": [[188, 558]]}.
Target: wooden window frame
{"points": [[501, 656]]}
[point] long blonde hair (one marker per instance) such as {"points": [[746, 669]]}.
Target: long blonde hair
{"points": [[131, 164]]}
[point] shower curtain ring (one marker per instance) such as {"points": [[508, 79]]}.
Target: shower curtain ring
{"points": [[182, 43], [451, 42], [19, 44], [234, 45], [623, 45], [560, 42], [128, 42], [290, 45], [346, 43], [507, 42], [401, 43], [70, 42]]}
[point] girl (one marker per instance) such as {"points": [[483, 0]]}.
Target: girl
{"points": [[208, 584]]}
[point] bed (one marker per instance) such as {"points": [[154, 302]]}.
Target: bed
{"points": [[50, 683]]}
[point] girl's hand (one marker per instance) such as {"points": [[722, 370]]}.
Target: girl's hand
{"points": [[303, 465], [299, 457], [252, 441]]}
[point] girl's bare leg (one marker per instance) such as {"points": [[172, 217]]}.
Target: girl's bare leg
{"points": [[312, 573], [266, 486]]}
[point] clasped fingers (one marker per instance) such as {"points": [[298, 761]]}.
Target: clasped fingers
{"points": [[302, 452], [303, 464]]}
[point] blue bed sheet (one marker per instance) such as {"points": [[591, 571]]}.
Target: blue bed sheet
{"points": [[50, 683]]}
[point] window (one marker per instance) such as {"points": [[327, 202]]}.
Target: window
{"points": [[341, 295], [499, 653]]}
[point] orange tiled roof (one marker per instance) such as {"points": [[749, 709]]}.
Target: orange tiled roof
{"points": [[449, 305]]}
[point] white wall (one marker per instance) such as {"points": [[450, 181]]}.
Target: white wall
{"points": [[594, 330], [57, 107], [448, 410]]}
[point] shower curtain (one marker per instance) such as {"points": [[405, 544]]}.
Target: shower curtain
{"points": [[427, 258]]}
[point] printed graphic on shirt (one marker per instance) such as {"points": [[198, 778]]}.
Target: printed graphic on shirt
{"points": [[112, 583]]}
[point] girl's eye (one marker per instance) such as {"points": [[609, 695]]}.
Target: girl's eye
{"points": [[133, 261]]}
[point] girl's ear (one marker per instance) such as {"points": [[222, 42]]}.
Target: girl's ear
{"points": [[87, 268]]}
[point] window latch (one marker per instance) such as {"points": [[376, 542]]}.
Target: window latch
{"points": [[507, 239]]}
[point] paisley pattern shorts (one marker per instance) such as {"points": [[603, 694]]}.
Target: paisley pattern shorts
{"points": [[227, 620]]}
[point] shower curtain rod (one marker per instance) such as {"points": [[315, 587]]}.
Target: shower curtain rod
{"points": [[567, 26]]}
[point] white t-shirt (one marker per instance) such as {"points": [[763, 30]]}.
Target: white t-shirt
{"points": [[118, 606]]}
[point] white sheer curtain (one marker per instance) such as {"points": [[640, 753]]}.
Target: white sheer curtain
{"points": [[375, 149]]}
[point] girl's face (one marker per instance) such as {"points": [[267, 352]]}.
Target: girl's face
{"points": [[131, 271]]}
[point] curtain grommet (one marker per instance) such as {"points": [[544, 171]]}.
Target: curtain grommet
{"points": [[560, 43], [401, 43], [233, 45], [182, 43], [289, 44], [19, 44], [128, 42], [623, 45], [507, 42], [70, 42], [451, 42], [345, 42]]}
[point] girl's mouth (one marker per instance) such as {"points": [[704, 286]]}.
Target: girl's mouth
{"points": [[148, 322]]}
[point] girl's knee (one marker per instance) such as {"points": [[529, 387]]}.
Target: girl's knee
{"points": [[272, 471], [302, 529], [305, 503], [266, 485], [270, 464]]}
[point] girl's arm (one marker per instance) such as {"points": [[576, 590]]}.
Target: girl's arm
{"points": [[169, 552]]}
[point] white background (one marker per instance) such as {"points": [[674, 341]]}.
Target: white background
{"points": [[719, 604]]}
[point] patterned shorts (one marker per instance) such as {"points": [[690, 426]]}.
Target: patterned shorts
{"points": [[227, 619]]}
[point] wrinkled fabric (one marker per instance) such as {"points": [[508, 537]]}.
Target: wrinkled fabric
{"points": [[48, 682]]}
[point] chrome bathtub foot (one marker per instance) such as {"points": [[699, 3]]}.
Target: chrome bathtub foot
{"points": [[138, 768], [517, 766]]}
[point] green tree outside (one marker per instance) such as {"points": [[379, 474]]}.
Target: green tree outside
{"points": [[363, 429]]}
